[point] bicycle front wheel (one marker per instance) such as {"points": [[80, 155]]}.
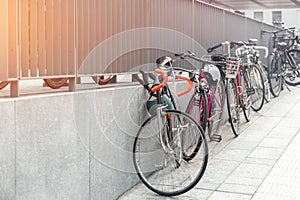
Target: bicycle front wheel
{"points": [[264, 72], [257, 88], [274, 75], [233, 106], [246, 90], [158, 153]]}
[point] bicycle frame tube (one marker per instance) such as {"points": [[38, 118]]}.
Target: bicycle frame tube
{"points": [[239, 87], [209, 103], [200, 106], [211, 97], [290, 60]]}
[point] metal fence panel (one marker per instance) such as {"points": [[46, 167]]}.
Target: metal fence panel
{"points": [[204, 24], [8, 40], [47, 38], [88, 37]]}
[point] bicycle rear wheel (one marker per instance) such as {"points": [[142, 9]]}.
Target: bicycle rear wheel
{"points": [[215, 117], [233, 106], [274, 75], [292, 77], [158, 158]]}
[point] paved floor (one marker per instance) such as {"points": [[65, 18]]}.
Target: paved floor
{"points": [[262, 163]]}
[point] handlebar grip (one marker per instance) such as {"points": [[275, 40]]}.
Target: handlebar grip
{"points": [[165, 77], [240, 43], [189, 82], [209, 50]]}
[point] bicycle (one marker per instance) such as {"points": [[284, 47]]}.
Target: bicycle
{"points": [[167, 98], [285, 64], [249, 55], [170, 151], [237, 86], [207, 102]]}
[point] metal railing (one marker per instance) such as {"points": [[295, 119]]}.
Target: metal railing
{"points": [[54, 38]]}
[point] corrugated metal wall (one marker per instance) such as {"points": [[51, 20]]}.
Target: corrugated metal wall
{"points": [[8, 39], [47, 38], [54, 38]]}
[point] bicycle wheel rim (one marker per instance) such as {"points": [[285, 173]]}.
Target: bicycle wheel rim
{"points": [[275, 79], [197, 108], [257, 99], [233, 107], [149, 159], [56, 83], [267, 92], [245, 100], [292, 78], [199, 112]]}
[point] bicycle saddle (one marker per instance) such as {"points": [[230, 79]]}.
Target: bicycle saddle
{"points": [[164, 61], [282, 45], [252, 41], [218, 57]]}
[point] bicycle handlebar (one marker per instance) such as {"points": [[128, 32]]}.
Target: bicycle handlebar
{"points": [[263, 48], [209, 50], [246, 47], [165, 80], [189, 82], [189, 55], [278, 31]]}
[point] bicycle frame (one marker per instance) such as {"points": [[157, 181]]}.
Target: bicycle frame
{"points": [[166, 138]]}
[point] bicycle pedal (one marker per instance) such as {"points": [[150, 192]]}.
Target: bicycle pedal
{"points": [[216, 138], [250, 91]]}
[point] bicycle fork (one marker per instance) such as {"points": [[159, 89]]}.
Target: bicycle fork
{"points": [[170, 137]]}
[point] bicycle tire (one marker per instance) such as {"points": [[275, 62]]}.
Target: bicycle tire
{"points": [[245, 101], [197, 108], [200, 115], [274, 75], [103, 80], [157, 169], [293, 79], [216, 110], [3, 84], [233, 106], [56, 83], [257, 83], [267, 92]]}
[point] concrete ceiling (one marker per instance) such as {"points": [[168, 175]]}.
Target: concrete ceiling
{"points": [[256, 4]]}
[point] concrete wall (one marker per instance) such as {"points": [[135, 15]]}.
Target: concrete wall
{"points": [[71, 145]]}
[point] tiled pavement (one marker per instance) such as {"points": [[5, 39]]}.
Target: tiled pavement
{"points": [[262, 163]]}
